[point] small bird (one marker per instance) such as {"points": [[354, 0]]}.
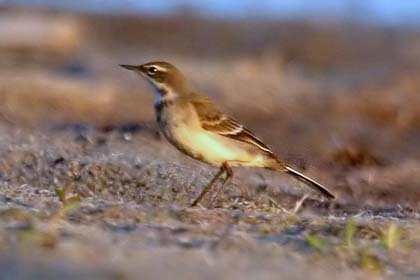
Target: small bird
{"points": [[197, 127]]}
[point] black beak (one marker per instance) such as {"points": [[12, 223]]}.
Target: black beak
{"points": [[130, 67]]}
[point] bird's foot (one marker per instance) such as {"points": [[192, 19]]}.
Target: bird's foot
{"points": [[299, 203]]}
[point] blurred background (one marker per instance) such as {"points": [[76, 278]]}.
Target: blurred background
{"points": [[334, 83], [89, 188]]}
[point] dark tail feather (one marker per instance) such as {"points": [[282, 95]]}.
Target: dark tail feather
{"points": [[310, 183]]}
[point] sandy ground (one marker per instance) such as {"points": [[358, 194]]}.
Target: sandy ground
{"points": [[125, 215]]}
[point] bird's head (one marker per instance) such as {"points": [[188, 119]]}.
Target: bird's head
{"points": [[162, 75]]}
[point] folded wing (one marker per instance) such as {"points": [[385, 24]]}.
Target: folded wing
{"points": [[212, 119]]}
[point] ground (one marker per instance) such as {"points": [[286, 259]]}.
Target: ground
{"points": [[115, 205]]}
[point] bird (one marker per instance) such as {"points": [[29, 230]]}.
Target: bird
{"points": [[196, 126]]}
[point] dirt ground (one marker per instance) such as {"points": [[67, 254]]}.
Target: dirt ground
{"points": [[89, 189], [112, 205]]}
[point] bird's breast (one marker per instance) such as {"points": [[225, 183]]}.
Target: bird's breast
{"points": [[181, 126]]}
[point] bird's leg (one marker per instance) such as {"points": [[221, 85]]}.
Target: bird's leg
{"points": [[208, 187], [229, 174], [299, 203]]}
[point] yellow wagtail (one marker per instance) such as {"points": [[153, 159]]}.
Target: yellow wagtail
{"points": [[198, 128]]}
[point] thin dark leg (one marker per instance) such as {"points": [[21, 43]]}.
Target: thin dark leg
{"points": [[208, 187], [229, 174]]}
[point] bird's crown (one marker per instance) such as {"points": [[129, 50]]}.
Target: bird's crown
{"points": [[160, 74]]}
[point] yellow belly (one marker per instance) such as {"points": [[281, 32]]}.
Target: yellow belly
{"points": [[182, 128], [216, 149]]}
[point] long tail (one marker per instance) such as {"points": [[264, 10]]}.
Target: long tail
{"points": [[309, 182]]}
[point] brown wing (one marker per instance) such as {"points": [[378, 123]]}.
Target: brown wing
{"points": [[212, 119]]}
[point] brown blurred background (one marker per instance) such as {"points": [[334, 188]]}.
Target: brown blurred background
{"points": [[333, 88]]}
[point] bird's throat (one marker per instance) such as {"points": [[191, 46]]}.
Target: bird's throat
{"points": [[163, 95]]}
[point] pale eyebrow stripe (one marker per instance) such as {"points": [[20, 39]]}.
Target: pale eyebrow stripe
{"points": [[159, 68]]}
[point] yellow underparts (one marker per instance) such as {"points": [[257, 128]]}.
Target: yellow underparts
{"points": [[216, 149]]}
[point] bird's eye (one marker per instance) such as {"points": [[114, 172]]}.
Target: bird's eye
{"points": [[152, 70]]}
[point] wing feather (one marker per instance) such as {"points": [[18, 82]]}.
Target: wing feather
{"points": [[212, 119]]}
